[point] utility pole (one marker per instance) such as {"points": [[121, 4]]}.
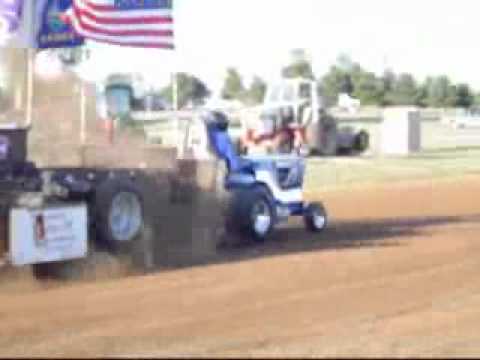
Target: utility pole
{"points": [[29, 22], [176, 118]]}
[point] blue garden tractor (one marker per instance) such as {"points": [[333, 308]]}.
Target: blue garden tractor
{"points": [[266, 190]]}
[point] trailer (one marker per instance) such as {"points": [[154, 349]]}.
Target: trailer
{"points": [[52, 217]]}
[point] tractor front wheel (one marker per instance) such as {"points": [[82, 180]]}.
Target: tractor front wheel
{"points": [[315, 217]]}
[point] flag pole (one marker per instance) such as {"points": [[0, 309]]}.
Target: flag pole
{"points": [[83, 114], [176, 118], [83, 104], [30, 80], [29, 18], [175, 90]]}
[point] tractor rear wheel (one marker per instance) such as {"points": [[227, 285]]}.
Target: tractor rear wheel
{"points": [[252, 213], [362, 141], [330, 147]]}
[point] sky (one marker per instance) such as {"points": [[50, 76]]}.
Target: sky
{"points": [[256, 36]]}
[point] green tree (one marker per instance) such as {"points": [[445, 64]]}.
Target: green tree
{"points": [[405, 91], [233, 87], [422, 94], [119, 78], [347, 76], [368, 89], [345, 63], [256, 92], [335, 82], [464, 96], [440, 92], [299, 67], [388, 80], [190, 89]]}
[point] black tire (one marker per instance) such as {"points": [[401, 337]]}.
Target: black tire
{"points": [[241, 218], [330, 148], [107, 196], [315, 217], [315, 152], [41, 271], [362, 141], [60, 270], [96, 264]]}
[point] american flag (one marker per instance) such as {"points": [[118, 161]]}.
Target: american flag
{"points": [[136, 23]]}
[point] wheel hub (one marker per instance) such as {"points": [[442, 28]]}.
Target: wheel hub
{"points": [[125, 216], [261, 217], [319, 221]]}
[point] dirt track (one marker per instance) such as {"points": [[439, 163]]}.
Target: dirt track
{"points": [[397, 273]]}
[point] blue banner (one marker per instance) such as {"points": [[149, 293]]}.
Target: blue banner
{"points": [[142, 4], [53, 31]]}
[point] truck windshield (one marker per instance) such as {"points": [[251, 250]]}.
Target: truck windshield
{"points": [[288, 93], [274, 95], [305, 92]]}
